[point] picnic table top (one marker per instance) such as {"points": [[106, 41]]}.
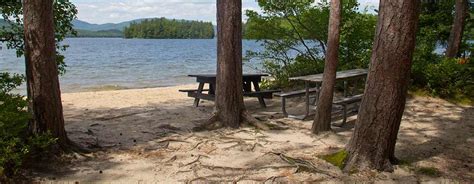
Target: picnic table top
{"points": [[346, 74], [214, 75]]}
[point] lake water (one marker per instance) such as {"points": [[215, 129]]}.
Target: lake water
{"points": [[114, 63]]}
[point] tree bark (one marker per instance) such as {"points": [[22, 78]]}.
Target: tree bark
{"points": [[455, 37], [229, 91], [372, 145], [44, 94], [322, 121]]}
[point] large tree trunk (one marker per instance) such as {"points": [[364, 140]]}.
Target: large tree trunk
{"points": [[322, 121], [229, 91], [455, 38], [372, 145], [41, 69]]}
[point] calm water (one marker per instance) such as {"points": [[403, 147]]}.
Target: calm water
{"points": [[101, 63]]}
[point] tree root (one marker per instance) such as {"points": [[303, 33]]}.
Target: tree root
{"points": [[210, 167], [250, 120], [302, 165], [273, 178], [172, 140], [72, 147], [196, 160], [209, 124], [199, 143]]}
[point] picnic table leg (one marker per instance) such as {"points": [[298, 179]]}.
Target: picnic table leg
{"points": [[248, 86], [212, 89], [260, 98], [283, 106], [199, 91], [345, 88], [317, 93], [306, 84]]}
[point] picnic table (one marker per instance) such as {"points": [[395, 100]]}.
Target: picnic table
{"points": [[318, 79], [210, 79]]}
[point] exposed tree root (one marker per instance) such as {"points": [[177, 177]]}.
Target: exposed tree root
{"points": [[195, 161], [209, 124], [250, 120], [213, 123], [199, 143], [172, 140], [72, 147], [302, 165], [210, 167], [207, 180], [273, 178]]}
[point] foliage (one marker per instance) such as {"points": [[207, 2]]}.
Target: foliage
{"points": [[337, 159], [113, 33], [162, 28], [12, 13], [451, 77], [294, 37], [15, 143], [447, 78], [429, 171]]}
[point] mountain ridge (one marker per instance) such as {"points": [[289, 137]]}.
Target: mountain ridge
{"points": [[83, 25]]}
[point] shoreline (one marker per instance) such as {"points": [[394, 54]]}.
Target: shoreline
{"points": [[103, 88]]}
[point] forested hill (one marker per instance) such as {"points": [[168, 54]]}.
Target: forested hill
{"points": [[162, 28]]}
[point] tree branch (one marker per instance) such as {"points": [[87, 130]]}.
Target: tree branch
{"points": [[300, 37]]}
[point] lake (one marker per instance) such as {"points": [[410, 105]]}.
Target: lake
{"points": [[115, 63]]}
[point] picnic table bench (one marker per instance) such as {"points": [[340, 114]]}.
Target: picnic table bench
{"points": [[249, 80], [313, 93]]}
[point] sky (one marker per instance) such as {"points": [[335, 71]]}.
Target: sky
{"points": [[115, 11]]}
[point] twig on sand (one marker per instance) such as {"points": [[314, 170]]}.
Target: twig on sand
{"points": [[210, 151], [184, 171], [255, 145], [172, 159]]}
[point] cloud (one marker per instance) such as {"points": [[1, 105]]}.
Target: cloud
{"points": [[114, 11], [124, 10]]}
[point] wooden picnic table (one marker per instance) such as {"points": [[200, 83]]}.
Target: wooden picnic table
{"points": [[210, 79], [318, 79]]}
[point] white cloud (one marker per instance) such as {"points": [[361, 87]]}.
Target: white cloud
{"points": [[114, 11], [124, 10]]}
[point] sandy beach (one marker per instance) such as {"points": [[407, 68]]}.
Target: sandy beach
{"points": [[145, 136]]}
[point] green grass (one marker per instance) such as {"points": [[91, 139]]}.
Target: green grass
{"points": [[337, 159], [428, 171], [459, 99]]}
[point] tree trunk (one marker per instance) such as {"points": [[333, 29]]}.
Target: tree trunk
{"points": [[322, 121], [229, 91], [41, 69], [455, 38], [372, 145]]}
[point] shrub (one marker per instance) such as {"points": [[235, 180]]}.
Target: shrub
{"points": [[15, 142], [293, 35], [282, 73], [450, 78]]}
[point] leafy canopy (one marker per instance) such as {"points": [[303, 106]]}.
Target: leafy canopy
{"points": [[162, 28], [12, 31], [294, 37]]}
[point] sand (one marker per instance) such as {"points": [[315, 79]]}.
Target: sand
{"points": [[145, 136]]}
